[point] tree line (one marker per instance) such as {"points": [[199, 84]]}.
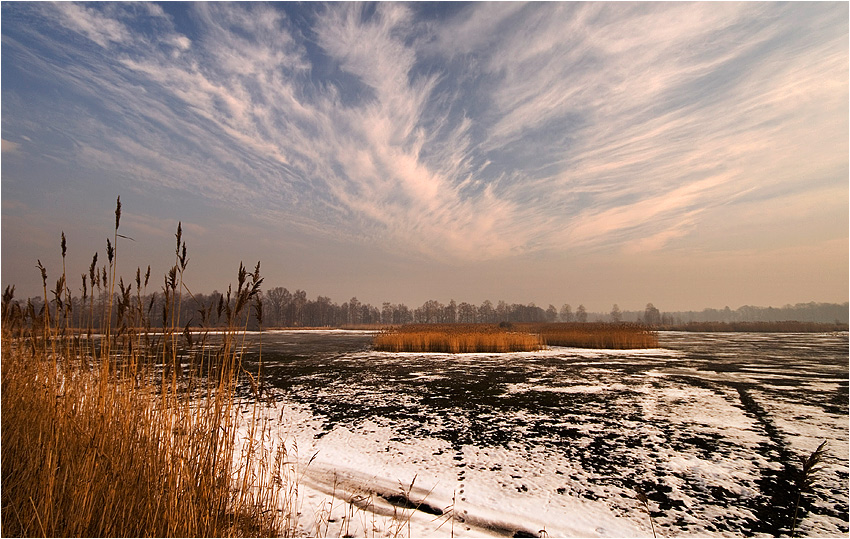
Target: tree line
{"points": [[285, 308]]}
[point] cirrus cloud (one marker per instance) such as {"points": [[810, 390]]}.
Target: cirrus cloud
{"points": [[484, 131]]}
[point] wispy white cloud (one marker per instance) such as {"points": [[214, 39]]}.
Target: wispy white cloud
{"points": [[655, 98], [92, 23], [506, 129]]}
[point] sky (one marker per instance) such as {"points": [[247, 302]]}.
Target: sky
{"points": [[686, 154]]}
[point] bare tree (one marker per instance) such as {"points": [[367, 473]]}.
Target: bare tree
{"points": [[386, 313], [581, 314], [651, 315], [451, 312], [402, 314], [616, 315], [466, 313], [299, 300], [502, 311], [354, 311], [276, 300], [486, 313]]}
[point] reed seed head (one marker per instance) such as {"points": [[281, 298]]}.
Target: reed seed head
{"points": [[9, 293], [811, 466], [92, 268], [43, 273], [57, 292], [179, 236], [110, 252], [242, 275], [171, 281], [258, 309]]}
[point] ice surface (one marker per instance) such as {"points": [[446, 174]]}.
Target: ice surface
{"points": [[368, 465], [554, 442]]}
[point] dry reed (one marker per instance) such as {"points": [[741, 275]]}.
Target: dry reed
{"points": [[810, 468], [467, 338], [106, 435], [455, 338], [621, 336]]}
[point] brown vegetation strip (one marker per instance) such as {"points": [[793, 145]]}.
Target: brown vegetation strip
{"points": [[788, 326], [455, 338], [621, 336], [467, 338]]}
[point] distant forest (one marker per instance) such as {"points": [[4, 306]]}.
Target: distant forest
{"points": [[282, 308]]}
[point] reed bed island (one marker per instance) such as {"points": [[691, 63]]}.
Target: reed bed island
{"points": [[455, 339], [505, 338]]}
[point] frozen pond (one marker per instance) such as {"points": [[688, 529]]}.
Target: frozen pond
{"points": [[555, 442]]}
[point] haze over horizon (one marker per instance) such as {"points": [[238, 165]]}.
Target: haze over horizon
{"points": [[690, 155]]}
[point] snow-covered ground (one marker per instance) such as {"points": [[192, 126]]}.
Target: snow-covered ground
{"points": [[367, 482], [554, 443]]}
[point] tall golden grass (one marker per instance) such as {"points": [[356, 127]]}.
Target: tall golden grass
{"points": [[455, 338], [622, 336], [521, 337], [110, 436]]}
